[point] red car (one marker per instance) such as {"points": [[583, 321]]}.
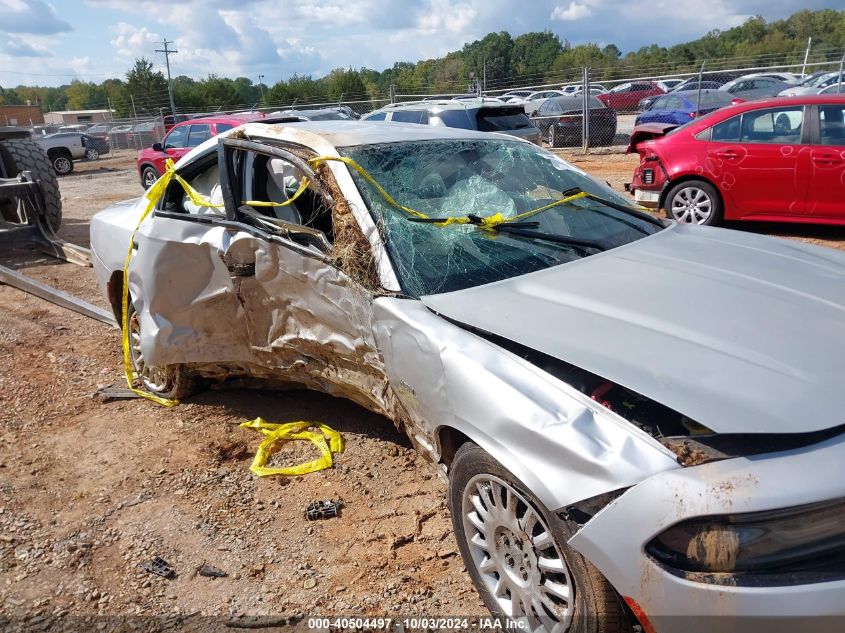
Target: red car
{"points": [[182, 138], [780, 159], [626, 97]]}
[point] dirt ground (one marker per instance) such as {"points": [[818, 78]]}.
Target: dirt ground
{"points": [[90, 489]]}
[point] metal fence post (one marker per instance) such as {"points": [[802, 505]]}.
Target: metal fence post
{"points": [[806, 56], [839, 79], [585, 119], [698, 99], [392, 93]]}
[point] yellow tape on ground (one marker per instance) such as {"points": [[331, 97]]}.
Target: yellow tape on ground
{"points": [[274, 433]]}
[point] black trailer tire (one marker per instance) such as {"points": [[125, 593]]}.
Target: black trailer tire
{"points": [[30, 156]]}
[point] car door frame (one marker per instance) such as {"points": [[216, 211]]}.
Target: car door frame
{"points": [[239, 326], [824, 210], [726, 169]]}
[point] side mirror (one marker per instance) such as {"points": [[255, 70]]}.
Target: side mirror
{"points": [[157, 147]]}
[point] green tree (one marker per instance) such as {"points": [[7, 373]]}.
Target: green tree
{"points": [[147, 88], [345, 84]]}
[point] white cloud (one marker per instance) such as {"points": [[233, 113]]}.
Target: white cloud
{"points": [[30, 16], [575, 11], [131, 41]]}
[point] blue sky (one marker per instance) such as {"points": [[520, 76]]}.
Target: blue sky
{"points": [[50, 43]]}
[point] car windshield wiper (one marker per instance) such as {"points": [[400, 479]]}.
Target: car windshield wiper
{"points": [[513, 228]]}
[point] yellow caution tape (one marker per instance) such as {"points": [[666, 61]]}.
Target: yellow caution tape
{"points": [[153, 195], [489, 222], [155, 192], [274, 433]]}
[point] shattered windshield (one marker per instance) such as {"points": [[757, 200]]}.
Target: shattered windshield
{"points": [[448, 178]]}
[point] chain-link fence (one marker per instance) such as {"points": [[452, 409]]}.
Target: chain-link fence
{"points": [[594, 110]]}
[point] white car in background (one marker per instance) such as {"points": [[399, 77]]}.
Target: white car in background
{"points": [[669, 84], [536, 99], [515, 96], [812, 86]]}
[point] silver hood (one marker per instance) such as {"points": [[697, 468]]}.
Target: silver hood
{"points": [[742, 333]]}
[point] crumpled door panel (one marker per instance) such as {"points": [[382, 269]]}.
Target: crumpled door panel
{"points": [[184, 294], [219, 296]]}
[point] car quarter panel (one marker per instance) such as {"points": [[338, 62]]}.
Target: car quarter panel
{"points": [[615, 538], [561, 445]]}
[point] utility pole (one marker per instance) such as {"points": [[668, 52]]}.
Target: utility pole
{"points": [[261, 86], [167, 53], [806, 56]]}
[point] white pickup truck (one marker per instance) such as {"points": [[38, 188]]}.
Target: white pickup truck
{"points": [[63, 148]]}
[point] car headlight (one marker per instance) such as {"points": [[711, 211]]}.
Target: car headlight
{"points": [[800, 540]]}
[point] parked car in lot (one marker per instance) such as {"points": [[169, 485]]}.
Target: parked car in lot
{"points": [[775, 160], [560, 121], [95, 146], [625, 97], [640, 421], [484, 115], [836, 88], [813, 85], [668, 84], [65, 147], [515, 96], [681, 107], [100, 130], [341, 113], [750, 88], [144, 134], [694, 84], [535, 100], [119, 136], [181, 139]]}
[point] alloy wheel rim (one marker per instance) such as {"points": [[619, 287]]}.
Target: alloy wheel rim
{"points": [[93, 154], [153, 377], [516, 556], [62, 165], [149, 178], [692, 205]]}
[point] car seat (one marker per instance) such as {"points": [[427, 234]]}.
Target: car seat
{"points": [[282, 182]]}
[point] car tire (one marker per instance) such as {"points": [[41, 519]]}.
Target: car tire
{"points": [[171, 382], [513, 569], [149, 175], [554, 136], [62, 162], [92, 154], [694, 202], [26, 155]]}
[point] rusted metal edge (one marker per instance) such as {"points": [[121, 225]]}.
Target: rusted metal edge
{"points": [[60, 298]]}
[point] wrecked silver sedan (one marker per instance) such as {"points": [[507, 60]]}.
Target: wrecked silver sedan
{"points": [[639, 420]]}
